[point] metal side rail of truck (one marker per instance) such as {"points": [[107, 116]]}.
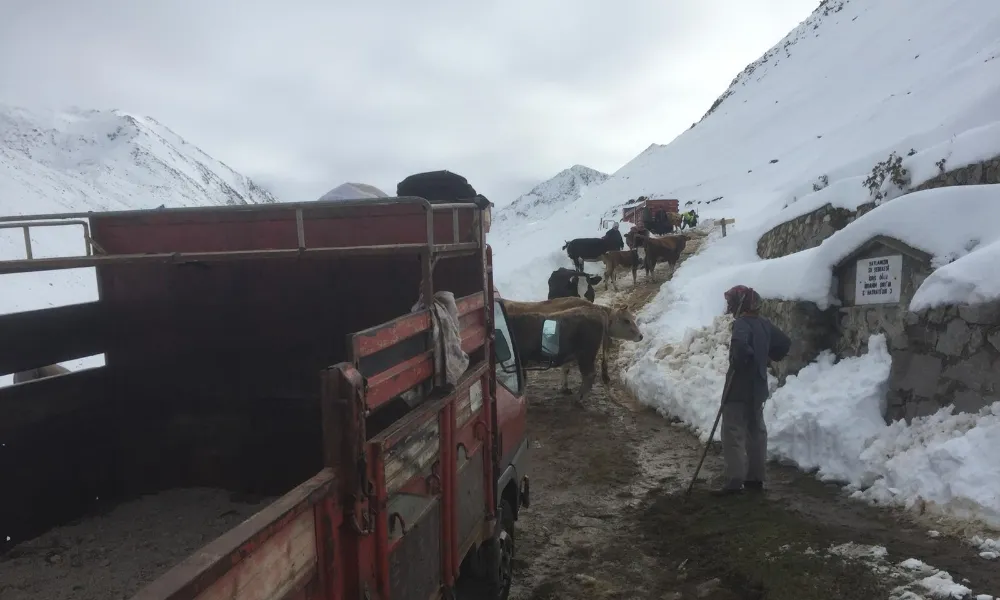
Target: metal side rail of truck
{"points": [[278, 352]]}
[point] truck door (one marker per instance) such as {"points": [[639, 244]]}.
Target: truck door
{"points": [[511, 404]]}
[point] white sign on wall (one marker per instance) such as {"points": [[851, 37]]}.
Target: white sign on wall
{"points": [[878, 280]]}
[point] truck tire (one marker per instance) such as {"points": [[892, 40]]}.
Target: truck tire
{"points": [[501, 574], [494, 580]]}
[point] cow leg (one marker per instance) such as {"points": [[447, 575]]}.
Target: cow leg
{"points": [[635, 269], [565, 380], [585, 386], [587, 361]]}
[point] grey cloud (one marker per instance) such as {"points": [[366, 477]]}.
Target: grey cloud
{"points": [[307, 94]]}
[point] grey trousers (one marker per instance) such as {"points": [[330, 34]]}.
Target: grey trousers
{"points": [[744, 447]]}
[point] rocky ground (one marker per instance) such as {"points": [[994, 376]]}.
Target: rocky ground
{"points": [[609, 518]]}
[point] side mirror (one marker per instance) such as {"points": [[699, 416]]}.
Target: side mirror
{"points": [[502, 348], [550, 339]]}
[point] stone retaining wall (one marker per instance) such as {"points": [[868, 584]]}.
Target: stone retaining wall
{"points": [[952, 356], [809, 230], [801, 233], [812, 330], [944, 356], [987, 171]]}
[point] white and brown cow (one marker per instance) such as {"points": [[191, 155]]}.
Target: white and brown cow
{"points": [[39, 373], [584, 329]]}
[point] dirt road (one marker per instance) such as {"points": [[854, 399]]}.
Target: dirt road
{"points": [[608, 518]]}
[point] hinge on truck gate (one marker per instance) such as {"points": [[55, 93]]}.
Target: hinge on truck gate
{"points": [[392, 523], [365, 526]]}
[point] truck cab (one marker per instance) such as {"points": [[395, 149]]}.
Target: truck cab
{"points": [[297, 353]]}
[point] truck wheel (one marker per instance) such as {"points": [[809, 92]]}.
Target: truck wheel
{"points": [[502, 569], [491, 578]]}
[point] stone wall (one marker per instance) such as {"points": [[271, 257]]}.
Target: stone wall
{"points": [[856, 323], [812, 330], [944, 356], [809, 230], [987, 171], [952, 356]]}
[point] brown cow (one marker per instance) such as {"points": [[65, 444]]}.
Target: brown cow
{"points": [[39, 373], [675, 219], [583, 332], [635, 236], [666, 248], [625, 259]]}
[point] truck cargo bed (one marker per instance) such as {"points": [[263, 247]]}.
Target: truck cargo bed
{"points": [[220, 329], [113, 555]]}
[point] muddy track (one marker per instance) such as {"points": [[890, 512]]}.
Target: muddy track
{"points": [[608, 518]]}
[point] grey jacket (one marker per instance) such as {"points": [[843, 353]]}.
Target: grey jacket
{"points": [[755, 342]]}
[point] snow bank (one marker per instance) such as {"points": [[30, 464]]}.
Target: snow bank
{"points": [[944, 463], [685, 379], [828, 418], [971, 279], [823, 417], [962, 246]]}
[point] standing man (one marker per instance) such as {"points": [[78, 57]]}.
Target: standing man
{"points": [[755, 342]]}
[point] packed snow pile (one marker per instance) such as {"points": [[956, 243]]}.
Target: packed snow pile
{"points": [[679, 379], [941, 463], [823, 417], [989, 547], [353, 191]]}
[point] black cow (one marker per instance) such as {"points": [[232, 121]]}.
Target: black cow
{"points": [[583, 250], [567, 283], [660, 224]]}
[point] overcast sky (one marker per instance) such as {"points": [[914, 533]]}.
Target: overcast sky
{"points": [[317, 92]]}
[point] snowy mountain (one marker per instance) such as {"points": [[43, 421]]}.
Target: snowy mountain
{"points": [[353, 191], [852, 83], [549, 197], [81, 160], [804, 126], [546, 201], [95, 160]]}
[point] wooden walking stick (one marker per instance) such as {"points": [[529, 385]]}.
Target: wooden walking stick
{"points": [[725, 394]]}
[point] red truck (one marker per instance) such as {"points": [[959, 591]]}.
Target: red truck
{"points": [[267, 350], [650, 213]]}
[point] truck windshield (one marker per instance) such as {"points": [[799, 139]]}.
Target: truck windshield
{"points": [[510, 380]]}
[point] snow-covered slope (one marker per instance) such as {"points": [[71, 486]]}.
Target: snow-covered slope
{"points": [[530, 216], [107, 160], [548, 198], [852, 83], [92, 160], [801, 127], [353, 191]]}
